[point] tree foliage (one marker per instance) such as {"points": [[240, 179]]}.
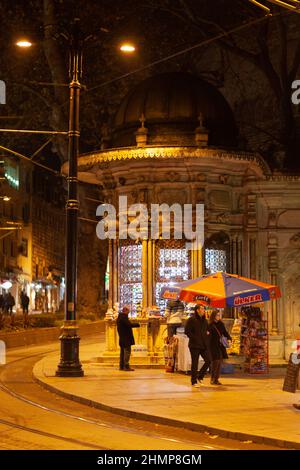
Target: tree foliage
{"points": [[271, 49]]}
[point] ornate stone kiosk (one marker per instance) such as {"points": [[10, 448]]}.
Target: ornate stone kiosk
{"points": [[174, 141]]}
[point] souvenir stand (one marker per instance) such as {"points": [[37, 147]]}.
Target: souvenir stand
{"points": [[254, 341]]}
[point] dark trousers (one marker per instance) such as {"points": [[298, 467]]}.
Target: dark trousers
{"points": [[216, 370], [25, 310], [124, 357], [172, 327], [195, 353]]}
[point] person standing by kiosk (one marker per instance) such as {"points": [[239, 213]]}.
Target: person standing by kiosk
{"points": [[196, 329], [126, 339]]}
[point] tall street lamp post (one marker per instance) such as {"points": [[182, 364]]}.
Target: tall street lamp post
{"points": [[70, 365]]}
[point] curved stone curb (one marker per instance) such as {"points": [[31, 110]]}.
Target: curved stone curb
{"points": [[240, 436], [37, 336]]}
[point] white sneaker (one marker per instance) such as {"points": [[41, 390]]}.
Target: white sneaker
{"points": [[196, 385]]}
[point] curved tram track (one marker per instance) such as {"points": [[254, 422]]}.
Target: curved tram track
{"points": [[32, 417]]}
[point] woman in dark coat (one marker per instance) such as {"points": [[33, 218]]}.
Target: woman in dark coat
{"points": [[217, 350], [126, 339]]}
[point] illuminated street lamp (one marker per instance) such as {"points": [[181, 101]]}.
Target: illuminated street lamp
{"points": [[127, 48], [24, 43], [70, 365]]}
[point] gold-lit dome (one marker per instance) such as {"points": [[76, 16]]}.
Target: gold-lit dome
{"points": [[172, 104]]}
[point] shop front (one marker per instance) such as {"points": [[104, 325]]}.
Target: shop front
{"points": [[46, 295]]}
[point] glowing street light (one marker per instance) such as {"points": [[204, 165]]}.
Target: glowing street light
{"points": [[127, 48], [5, 198], [24, 43], [70, 365]]}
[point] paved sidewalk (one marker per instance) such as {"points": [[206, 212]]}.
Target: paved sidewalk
{"points": [[245, 407]]}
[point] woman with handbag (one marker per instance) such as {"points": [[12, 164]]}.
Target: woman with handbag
{"points": [[218, 341]]}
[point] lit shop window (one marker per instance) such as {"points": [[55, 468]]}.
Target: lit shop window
{"points": [[130, 271], [11, 172], [172, 265]]}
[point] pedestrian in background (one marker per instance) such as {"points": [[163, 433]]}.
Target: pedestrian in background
{"points": [[174, 313], [196, 329], [9, 302], [126, 339], [1, 311], [25, 305], [218, 335]]}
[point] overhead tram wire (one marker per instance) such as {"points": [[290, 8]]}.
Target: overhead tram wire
{"points": [[222, 35], [181, 52], [188, 49], [27, 159]]}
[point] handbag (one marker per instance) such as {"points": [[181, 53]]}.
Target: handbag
{"points": [[223, 339]]}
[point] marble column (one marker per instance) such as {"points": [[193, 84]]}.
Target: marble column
{"points": [[273, 269], [145, 273], [111, 281], [274, 308], [153, 267], [252, 258], [115, 272], [150, 279]]}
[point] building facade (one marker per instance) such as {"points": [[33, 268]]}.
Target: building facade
{"points": [[32, 235], [174, 141]]}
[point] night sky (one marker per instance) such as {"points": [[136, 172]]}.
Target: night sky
{"points": [[254, 68]]}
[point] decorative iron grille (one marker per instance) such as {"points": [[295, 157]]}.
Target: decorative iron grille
{"points": [[173, 264], [215, 260], [130, 276]]}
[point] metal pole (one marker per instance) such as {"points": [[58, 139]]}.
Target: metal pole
{"points": [[70, 365]]}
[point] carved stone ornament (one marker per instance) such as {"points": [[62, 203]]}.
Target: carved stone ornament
{"points": [[272, 219], [172, 176], [201, 177], [223, 218], [295, 240], [89, 160]]}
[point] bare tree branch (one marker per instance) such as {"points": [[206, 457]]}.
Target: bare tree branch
{"points": [[295, 64], [283, 54]]}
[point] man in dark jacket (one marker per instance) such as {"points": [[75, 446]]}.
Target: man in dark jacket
{"points": [[25, 304], [9, 302], [196, 329], [126, 339]]}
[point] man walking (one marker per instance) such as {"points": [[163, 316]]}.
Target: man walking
{"points": [[126, 339], [196, 329]]}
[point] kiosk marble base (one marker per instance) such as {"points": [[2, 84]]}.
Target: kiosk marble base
{"points": [[150, 336]]}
